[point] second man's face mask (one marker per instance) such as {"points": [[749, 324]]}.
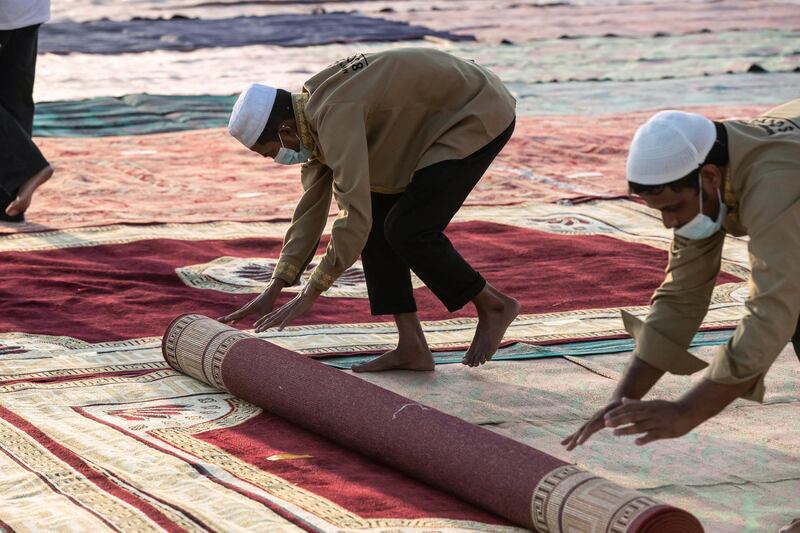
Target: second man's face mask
{"points": [[702, 226], [287, 156]]}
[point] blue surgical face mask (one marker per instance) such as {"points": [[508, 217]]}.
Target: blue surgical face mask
{"points": [[701, 226], [287, 156]]}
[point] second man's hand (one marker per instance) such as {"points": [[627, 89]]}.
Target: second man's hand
{"points": [[660, 419], [297, 306], [653, 420]]}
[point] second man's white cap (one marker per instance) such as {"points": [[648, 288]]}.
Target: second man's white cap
{"points": [[667, 147]]}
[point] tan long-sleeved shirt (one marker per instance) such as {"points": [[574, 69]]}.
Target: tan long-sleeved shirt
{"points": [[372, 120], [762, 190]]}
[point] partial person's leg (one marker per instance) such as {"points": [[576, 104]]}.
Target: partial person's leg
{"points": [[796, 339], [18, 64], [391, 293], [22, 167], [415, 226]]}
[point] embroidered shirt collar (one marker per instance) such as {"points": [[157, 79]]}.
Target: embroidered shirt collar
{"points": [[299, 101]]}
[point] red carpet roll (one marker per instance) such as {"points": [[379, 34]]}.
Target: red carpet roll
{"points": [[484, 468]]}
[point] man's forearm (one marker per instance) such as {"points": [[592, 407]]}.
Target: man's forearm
{"points": [[638, 379], [708, 398]]}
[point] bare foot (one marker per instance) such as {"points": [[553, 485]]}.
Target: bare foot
{"points": [[399, 359], [496, 312], [25, 194]]}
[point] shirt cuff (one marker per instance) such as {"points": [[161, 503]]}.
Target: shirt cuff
{"points": [[723, 369], [287, 271], [321, 280], [659, 351]]}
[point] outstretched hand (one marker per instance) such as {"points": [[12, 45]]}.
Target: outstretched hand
{"points": [[595, 424], [260, 305], [297, 307], [657, 419]]}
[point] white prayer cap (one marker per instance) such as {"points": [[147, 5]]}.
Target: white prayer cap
{"points": [[251, 112], [669, 146]]}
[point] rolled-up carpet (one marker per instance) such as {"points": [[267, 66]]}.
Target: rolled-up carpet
{"points": [[484, 468]]}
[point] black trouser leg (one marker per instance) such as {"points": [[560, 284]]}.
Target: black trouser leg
{"points": [[387, 274], [20, 159], [414, 226], [18, 66], [796, 339]]}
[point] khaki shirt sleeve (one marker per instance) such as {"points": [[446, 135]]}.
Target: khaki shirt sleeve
{"points": [[343, 140], [773, 305], [308, 222], [679, 305]]}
